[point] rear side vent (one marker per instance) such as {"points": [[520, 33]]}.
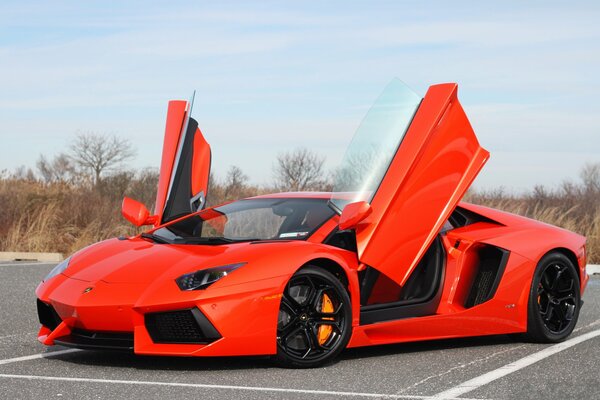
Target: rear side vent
{"points": [[47, 315], [492, 261], [181, 326]]}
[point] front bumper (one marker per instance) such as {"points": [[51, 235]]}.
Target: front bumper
{"points": [[160, 319], [188, 326]]}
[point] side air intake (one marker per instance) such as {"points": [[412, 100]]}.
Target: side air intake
{"points": [[181, 326], [492, 261]]}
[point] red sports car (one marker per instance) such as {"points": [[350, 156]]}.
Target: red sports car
{"points": [[391, 255]]}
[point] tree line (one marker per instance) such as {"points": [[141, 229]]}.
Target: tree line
{"points": [[73, 199], [99, 161]]}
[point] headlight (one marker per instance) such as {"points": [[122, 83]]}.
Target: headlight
{"points": [[58, 269], [202, 279]]}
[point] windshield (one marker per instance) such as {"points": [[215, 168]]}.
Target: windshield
{"points": [[374, 145], [248, 220]]}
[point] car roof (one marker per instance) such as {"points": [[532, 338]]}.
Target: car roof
{"points": [[294, 195]]}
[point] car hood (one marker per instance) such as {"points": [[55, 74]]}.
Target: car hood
{"points": [[140, 261]]}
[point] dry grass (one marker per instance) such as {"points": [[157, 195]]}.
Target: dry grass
{"points": [[576, 210], [56, 217], [60, 217]]}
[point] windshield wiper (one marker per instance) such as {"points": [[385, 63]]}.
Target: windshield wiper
{"points": [[155, 238], [211, 240]]}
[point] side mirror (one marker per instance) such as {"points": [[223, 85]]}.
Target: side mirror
{"points": [[136, 213], [353, 214]]}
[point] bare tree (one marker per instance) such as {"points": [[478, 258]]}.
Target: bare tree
{"points": [[235, 182], [590, 175], [96, 153], [143, 187], [60, 169], [299, 170], [23, 173]]}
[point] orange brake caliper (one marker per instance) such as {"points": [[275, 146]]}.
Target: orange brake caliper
{"points": [[325, 330]]}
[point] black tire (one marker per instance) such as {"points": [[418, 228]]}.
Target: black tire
{"points": [[308, 335], [554, 300]]}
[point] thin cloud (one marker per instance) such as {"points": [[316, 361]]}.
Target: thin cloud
{"points": [[292, 74]]}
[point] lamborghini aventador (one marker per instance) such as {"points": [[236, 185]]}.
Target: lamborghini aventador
{"points": [[390, 255]]}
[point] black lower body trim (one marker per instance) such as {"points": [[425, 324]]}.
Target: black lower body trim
{"points": [[492, 262], [187, 326], [82, 339]]}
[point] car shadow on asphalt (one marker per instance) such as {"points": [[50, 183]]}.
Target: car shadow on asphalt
{"points": [[429, 346], [129, 360]]}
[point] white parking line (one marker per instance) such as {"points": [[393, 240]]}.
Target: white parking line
{"points": [[37, 356], [597, 322], [225, 387], [491, 376], [593, 269], [27, 264]]}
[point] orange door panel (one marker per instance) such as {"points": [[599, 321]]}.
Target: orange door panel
{"points": [[185, 165], [436, 162]]}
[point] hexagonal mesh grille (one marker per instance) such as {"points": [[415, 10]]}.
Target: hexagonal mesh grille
{"points": [[181, 326]]}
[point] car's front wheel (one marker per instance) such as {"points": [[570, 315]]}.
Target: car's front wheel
{"points": [[554, 299], [315, 319]]}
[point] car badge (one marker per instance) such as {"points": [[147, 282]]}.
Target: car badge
{"points": [[87, 290]]}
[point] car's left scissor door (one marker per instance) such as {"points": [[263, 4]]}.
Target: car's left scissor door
{"points": [[185, 165]]}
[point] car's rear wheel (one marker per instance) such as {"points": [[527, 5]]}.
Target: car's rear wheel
{"points": [[315, 319], [554, 299]]}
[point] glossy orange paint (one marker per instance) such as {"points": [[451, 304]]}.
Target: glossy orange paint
{"points": [[129, 279], [200, 164], [242, 307], [175, 117], [110, 286], [136, 212], [435, 164], [354, 213], [186, 156]]}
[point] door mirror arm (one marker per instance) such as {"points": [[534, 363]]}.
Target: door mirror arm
{"points": [[353, 214], [136, 212]]}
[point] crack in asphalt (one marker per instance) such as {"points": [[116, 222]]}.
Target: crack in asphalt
{"points": [[478, 360]]}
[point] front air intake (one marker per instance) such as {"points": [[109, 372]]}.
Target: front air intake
{"points": [[47, 315], [181, 326]]}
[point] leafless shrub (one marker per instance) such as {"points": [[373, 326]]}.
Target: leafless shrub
{"points": [[143, 186], [59, 169], [95, 153], [590, 175], [299, 170], [235, 182]]}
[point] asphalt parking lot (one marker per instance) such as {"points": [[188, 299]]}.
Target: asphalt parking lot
{"points": [[498, 367]]}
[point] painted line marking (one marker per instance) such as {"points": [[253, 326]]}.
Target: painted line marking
{"points": [[593, 269], [587, 326], [507, 369], [478, 360], [224, 387], [27, 264], [458, 367], [37, 356]]}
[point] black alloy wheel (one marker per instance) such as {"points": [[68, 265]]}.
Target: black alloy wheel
{"points": [[554, 299], [315, 319]]}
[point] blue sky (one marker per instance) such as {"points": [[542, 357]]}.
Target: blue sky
{"points": [[271, 76]]}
